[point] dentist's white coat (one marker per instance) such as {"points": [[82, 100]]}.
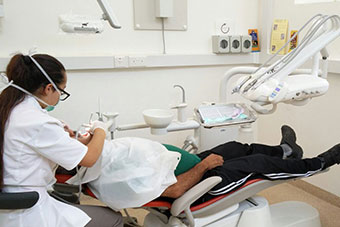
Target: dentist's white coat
{"points": [[34, 144]]}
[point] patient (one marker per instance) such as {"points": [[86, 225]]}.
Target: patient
{"points": [[134, 171]]}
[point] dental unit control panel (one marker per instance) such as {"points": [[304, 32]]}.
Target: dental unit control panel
{"points": [[292, 90]]}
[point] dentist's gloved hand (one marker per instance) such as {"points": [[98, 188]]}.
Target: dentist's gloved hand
{"points": [[102, 125], [98, 124]]}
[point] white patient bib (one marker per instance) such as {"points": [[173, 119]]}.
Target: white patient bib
{"points": [[134, 171]]}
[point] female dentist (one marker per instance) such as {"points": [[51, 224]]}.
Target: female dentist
{"points": [[32, 144]]}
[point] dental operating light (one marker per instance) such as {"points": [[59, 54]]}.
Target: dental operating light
{"points": [[281, 81], [73, 23]]}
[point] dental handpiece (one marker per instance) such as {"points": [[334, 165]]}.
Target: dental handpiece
{"points": [[238, 87], [250, 85]]}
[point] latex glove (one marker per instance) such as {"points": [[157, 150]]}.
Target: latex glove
{"points": [[103, 125], [98, 124]]}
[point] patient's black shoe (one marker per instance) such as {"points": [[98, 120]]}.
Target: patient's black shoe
{"points": [[289, 138], [330, 157]]}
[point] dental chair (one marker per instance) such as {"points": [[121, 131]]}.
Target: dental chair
{"points": [[235, 209], [239, 208]]}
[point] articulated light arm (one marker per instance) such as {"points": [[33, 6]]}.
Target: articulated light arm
{"points": [[108, 14]]}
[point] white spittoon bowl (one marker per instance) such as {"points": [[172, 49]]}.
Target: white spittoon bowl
{"points": [[158, 120]]}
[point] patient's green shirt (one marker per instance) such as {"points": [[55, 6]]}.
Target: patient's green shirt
{"points": [[187, 161]]}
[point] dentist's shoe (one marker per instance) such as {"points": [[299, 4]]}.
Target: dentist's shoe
{"points": [[330, 157], [289, 138]]}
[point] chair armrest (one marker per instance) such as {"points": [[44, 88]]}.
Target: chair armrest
{"points": [[66, 188], [185, 201], [18, 200]]}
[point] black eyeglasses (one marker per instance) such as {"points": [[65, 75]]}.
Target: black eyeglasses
{"points": [[63, 94]]}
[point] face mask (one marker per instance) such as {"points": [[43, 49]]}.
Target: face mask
{"points": [[50, 108]]}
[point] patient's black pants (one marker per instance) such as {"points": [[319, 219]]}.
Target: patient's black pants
{"points": [[243, 162]]}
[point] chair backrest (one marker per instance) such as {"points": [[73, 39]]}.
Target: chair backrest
{"points": [[18, 200]]}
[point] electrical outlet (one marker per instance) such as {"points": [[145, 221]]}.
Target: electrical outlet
{"points": [[121, 61], [235, 44], [220, 44], [135, 61], [246, 43]]}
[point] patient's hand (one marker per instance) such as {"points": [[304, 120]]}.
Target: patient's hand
{"points": [[188, 179], [213, 160]]}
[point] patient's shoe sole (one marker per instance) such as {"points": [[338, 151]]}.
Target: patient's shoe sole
{"points": [[331, 156], [289, 137]]}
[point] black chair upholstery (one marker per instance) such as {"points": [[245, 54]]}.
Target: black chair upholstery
{"points": [[18, 200]]}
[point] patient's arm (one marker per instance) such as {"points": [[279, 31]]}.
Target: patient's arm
{"points": [[188, 179]]}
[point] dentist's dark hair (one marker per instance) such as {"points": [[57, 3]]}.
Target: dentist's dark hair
{"points": [[24, 73]]}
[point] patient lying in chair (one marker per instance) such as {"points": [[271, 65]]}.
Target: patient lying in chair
{"points": [[134, 171]]}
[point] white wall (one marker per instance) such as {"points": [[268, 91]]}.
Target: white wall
{"points": [[131, 92], [317, 123], [127, 91], [29, 23], [299, 14]]}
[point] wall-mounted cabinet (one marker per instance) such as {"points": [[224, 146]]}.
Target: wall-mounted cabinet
{"points": [[145, 16]]}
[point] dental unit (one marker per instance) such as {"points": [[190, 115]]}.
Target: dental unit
{"points": [[281, 81]]}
